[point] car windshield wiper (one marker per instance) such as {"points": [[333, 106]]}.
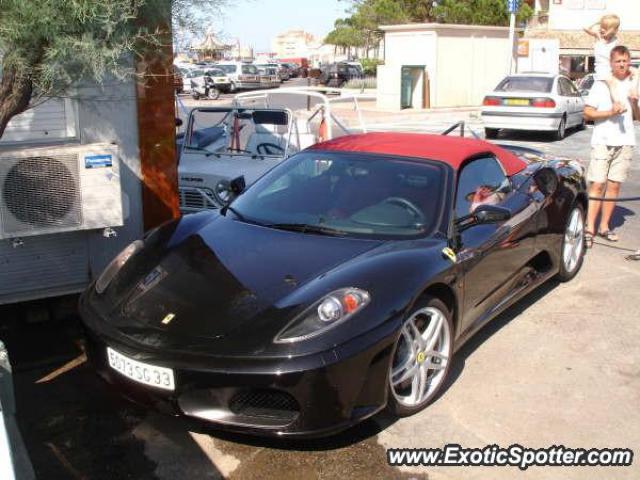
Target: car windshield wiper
{"points": [[307, 228]]}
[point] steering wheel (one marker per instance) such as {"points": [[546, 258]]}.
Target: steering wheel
{"points": [[268, 148], [407, 205]]}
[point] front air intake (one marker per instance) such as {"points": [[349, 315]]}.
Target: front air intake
{"points": [[271, 404]]}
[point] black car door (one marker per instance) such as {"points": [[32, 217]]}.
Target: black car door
{"points": [[493, 257]]}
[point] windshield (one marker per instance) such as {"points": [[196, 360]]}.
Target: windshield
{"points": [[249, 69], [347, 194], [246, 133], [216, 72], [227, 68], [525, 84]]}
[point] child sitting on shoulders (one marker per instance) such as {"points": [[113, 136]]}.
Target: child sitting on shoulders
{"points": [[606, 36]]}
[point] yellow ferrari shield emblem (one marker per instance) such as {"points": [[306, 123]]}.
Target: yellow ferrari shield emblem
{"points": [[450, 254], [421, 357]]}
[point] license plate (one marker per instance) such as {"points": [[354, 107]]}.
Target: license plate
{"points": [[519, 102], [140, 372]]}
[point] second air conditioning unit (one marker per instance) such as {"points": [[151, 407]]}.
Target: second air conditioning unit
{"points": [[59, 189]]}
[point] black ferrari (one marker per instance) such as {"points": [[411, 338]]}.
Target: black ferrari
{"points": [[340, 283]]}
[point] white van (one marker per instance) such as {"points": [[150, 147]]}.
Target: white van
{"points": [[242, 75]]}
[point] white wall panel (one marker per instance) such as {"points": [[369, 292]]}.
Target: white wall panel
{"points": [[51, 121]]}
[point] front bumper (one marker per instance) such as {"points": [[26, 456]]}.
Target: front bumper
{"points": [[309, 396]]}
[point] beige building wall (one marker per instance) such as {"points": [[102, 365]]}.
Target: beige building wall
{"points": [[469, 66], [413, 48]]}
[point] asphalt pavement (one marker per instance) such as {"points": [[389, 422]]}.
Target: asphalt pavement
{"points": [[560, 368]]}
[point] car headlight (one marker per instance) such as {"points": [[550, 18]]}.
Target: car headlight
{"points": [[116, 264], [325, 314]]}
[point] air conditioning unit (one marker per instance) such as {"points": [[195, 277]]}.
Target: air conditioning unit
{"points": [[59, 189]]}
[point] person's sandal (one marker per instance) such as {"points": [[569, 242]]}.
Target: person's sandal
{"points": [[609, 236], [588, 239]]}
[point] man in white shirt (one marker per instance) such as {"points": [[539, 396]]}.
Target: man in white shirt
{"points": [[612, 142]]}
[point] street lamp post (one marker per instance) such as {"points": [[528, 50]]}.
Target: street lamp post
{"points": [[512, 7]]}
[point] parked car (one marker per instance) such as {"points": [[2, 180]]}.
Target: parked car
{"points": [[242, 75], [299, 65], [187, 75], [337, 74], [294, 69], [531, 101], [209, 84], [585, 83], [177, 78], [284, 71], [269, 76], [341, 282], [249, 138]]}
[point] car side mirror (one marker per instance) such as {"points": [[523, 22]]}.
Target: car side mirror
{"points": [[483, 214], [546, 180], [237, 185], [491, 214]]}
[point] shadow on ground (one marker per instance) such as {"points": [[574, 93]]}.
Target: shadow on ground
{"points": [[532, 136], [491, 328], [73, 425]]}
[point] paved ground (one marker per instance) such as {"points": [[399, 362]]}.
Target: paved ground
{"points": [[562, 367]]}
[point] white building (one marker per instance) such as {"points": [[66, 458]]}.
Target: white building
{"points": [[440, 65], [568, 15], [563, 21], [293, 44], [240, 52]]}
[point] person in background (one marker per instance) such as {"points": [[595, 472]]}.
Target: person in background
{"points": [[612, 142]]}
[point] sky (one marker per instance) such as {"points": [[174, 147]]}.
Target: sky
{"points": [[256, 22]]}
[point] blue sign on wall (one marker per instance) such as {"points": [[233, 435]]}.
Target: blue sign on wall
{"points": [[512, 5]]}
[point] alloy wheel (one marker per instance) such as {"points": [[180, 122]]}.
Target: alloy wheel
{"points": [[422, 356], [573, 245]]}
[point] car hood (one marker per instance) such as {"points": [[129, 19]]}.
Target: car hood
{"points": [[226, 277]]}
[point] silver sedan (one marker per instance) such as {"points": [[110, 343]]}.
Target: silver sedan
{"points": [[530, 101]]}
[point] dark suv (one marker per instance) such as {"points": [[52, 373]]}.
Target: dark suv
{"points": [[337, 74]]}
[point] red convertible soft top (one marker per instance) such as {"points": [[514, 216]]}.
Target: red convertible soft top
{"points": [[447, 149]]}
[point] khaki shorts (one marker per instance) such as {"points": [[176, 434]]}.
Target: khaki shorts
{"points": [[609, 163]]}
